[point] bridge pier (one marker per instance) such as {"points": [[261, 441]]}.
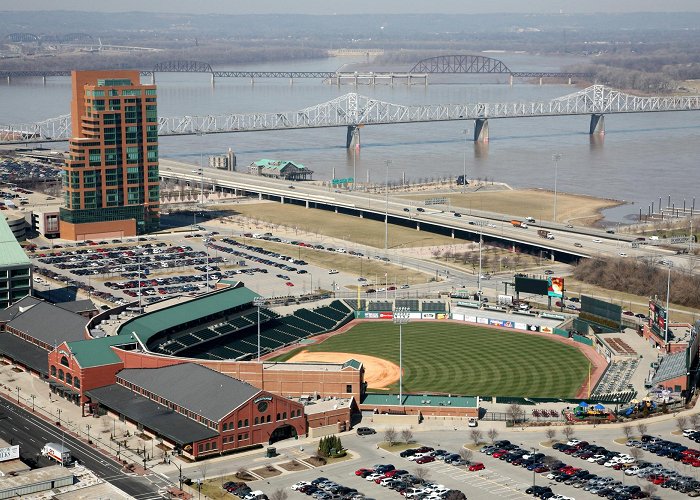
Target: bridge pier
{"points": [[307, 203], [452, 234], [352, 139], [569, 80], [540, 81], [417, 226], [43, 81], [481, 130], [597, 124], [260, 196], [9, 79], [212, 79], [281, 200], [153, 78], [511, 79]]}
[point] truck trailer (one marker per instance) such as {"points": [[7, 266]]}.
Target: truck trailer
{"points": [[517, 223], [57, 452], [543, 233]]}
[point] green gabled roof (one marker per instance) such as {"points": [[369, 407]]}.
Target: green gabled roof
{"points": [[277, 164], [97, 352], [146, 325], [352, 363]]}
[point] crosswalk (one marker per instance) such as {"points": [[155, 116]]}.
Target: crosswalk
{"points": [[498, 485]]}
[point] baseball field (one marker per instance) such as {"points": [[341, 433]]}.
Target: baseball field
{"points": [[456, 359]]}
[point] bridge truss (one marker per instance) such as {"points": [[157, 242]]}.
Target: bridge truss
{"points": [[355, 110]]}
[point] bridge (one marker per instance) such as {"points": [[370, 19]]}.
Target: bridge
{"points": [[437, 219], [446, 64], [354, 111]]}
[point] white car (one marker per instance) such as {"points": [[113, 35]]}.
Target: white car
{"points": [[333, 271], [688, 432], [597, 240], [573, 442], [374, 476], [632, 471], [595, 458], [298, 485]]}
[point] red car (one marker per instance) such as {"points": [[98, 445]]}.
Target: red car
{"points": [[425, 459], [499, 453], [289, 283], [476, 466], [359, 472]]}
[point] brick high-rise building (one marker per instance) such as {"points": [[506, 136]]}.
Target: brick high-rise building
{"points": [[110, 181]]}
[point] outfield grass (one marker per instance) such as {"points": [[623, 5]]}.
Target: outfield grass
{"points": [[468, 360]]}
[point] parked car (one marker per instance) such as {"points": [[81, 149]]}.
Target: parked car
{"points": [[476, 466]]}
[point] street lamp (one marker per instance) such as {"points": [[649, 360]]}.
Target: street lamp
{"points": [[258, 302], [668, 295], [401, 317], [33, 397], [556, 157], [386, 208], [17, 387], [533, 470]]}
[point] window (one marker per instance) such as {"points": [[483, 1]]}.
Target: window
{"points": [[112, 176], [114, 105], [348, 388], [207, 446], [284, 415], [200, 447], [154, 193], [76, 382], [132, 154], [60, 374], [240, 423], [151, 113], [69, 379], [152, 155], [64, 361], [53, 371], [278, 417], [214, 445], [245, 424], [150, 91], [256, 421], [269, 418]]}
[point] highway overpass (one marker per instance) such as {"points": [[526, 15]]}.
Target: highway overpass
{"points": [[569, 244]]}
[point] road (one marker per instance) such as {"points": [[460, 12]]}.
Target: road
{"points": [[30, 432], [594, 242]]}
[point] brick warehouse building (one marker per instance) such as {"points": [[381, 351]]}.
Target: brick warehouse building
{"points": [[207, 413], [110, 180]]}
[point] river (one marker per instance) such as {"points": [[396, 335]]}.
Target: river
{"points": [[642, 156]]}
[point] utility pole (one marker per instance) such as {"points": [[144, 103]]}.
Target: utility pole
{"points": [[386, 209]]}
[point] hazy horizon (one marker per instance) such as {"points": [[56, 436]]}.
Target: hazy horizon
{"points": [[321, 7]]}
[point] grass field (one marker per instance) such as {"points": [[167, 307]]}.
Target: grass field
{"points": [[468, 360]]}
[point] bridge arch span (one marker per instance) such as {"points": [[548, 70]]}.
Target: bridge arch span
{"points": [[183, 67], [463, 63], [22, 37]]}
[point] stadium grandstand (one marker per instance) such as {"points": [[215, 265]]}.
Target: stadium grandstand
{"points": [[231, 332]]}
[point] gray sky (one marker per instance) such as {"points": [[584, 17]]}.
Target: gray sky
{"points": [[358, 6]]}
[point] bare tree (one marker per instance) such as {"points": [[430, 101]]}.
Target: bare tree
{"points": [[407, 435], [515, 413], [492, 434], [241, 473], [681, 423], [636, 453], [390, 436], [466, 454], [455, 495], [278, 494], [694, 420], [642, 428], [649, 489], [476, 436], [627, 431], [421, 474], [568, 431], [550, 433]]}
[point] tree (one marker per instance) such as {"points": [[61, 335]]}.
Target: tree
{"points": [[627, 431], [551, 434], [694, 420], [421, 474], [681, 423], [642, 428], [515, 413], [407, 436], [649, 489], [492, 434], [568, 431], [476, 436], [636, 453], [278, 494], [390, 436], [466, 454], [455, 495]]}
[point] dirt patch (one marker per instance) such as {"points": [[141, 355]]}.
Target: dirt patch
{"points": [[379, 373], [293, 466], [578, 209], [269, 471], [316, 461]]}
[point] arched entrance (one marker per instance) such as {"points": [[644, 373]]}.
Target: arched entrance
{"points": [[285, 431]]}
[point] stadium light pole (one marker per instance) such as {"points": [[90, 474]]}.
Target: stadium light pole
{"points": [[556, 157], [668, 295], [258, 302], [401, 317]]}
